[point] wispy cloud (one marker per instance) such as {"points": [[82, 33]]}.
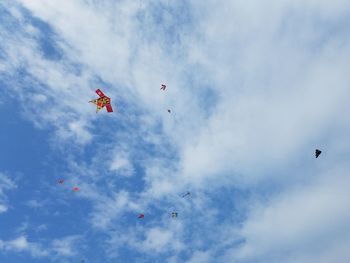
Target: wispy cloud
{"points": [[65, 246], [6, 184], [21, 244], [58, 248]]}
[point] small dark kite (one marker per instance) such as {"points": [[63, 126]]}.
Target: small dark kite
{"points": [[141, 216], [317, 152]]}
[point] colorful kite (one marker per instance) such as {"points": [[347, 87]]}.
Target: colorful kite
{"points": [[102, 101], [75, 189]]}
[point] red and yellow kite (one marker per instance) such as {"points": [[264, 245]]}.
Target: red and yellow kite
{"points": [[102, 101]]}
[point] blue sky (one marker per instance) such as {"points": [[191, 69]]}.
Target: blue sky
{"points": [[254, 87]]}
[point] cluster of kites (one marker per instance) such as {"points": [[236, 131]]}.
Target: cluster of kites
{"points": [[104, 101]]}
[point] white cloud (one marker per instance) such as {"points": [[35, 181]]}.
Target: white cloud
{"points": [[3, 208], [34, 203], [121, 165], [65, 246], [157, 239], [109, 208], [200, 257], [41, 227], [21, 244], [58, 248], [5, 184], [270, 107], [304, 220]]}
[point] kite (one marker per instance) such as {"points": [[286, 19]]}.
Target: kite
{"points": [[141, 216], [184, 195], [60, 181], [169, 111], [75, 189], [174, 214], [102, 101], [163, 87], [317, 152]]}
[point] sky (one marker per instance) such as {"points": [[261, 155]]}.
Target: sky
{"points": [[254, 87]]}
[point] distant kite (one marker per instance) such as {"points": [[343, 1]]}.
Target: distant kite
{"points": [[184, 195], [60, 181], [102, 101], [163, 87], [75, 189], [169, 110], [141, 216], [174, 214], [317, 153]]}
